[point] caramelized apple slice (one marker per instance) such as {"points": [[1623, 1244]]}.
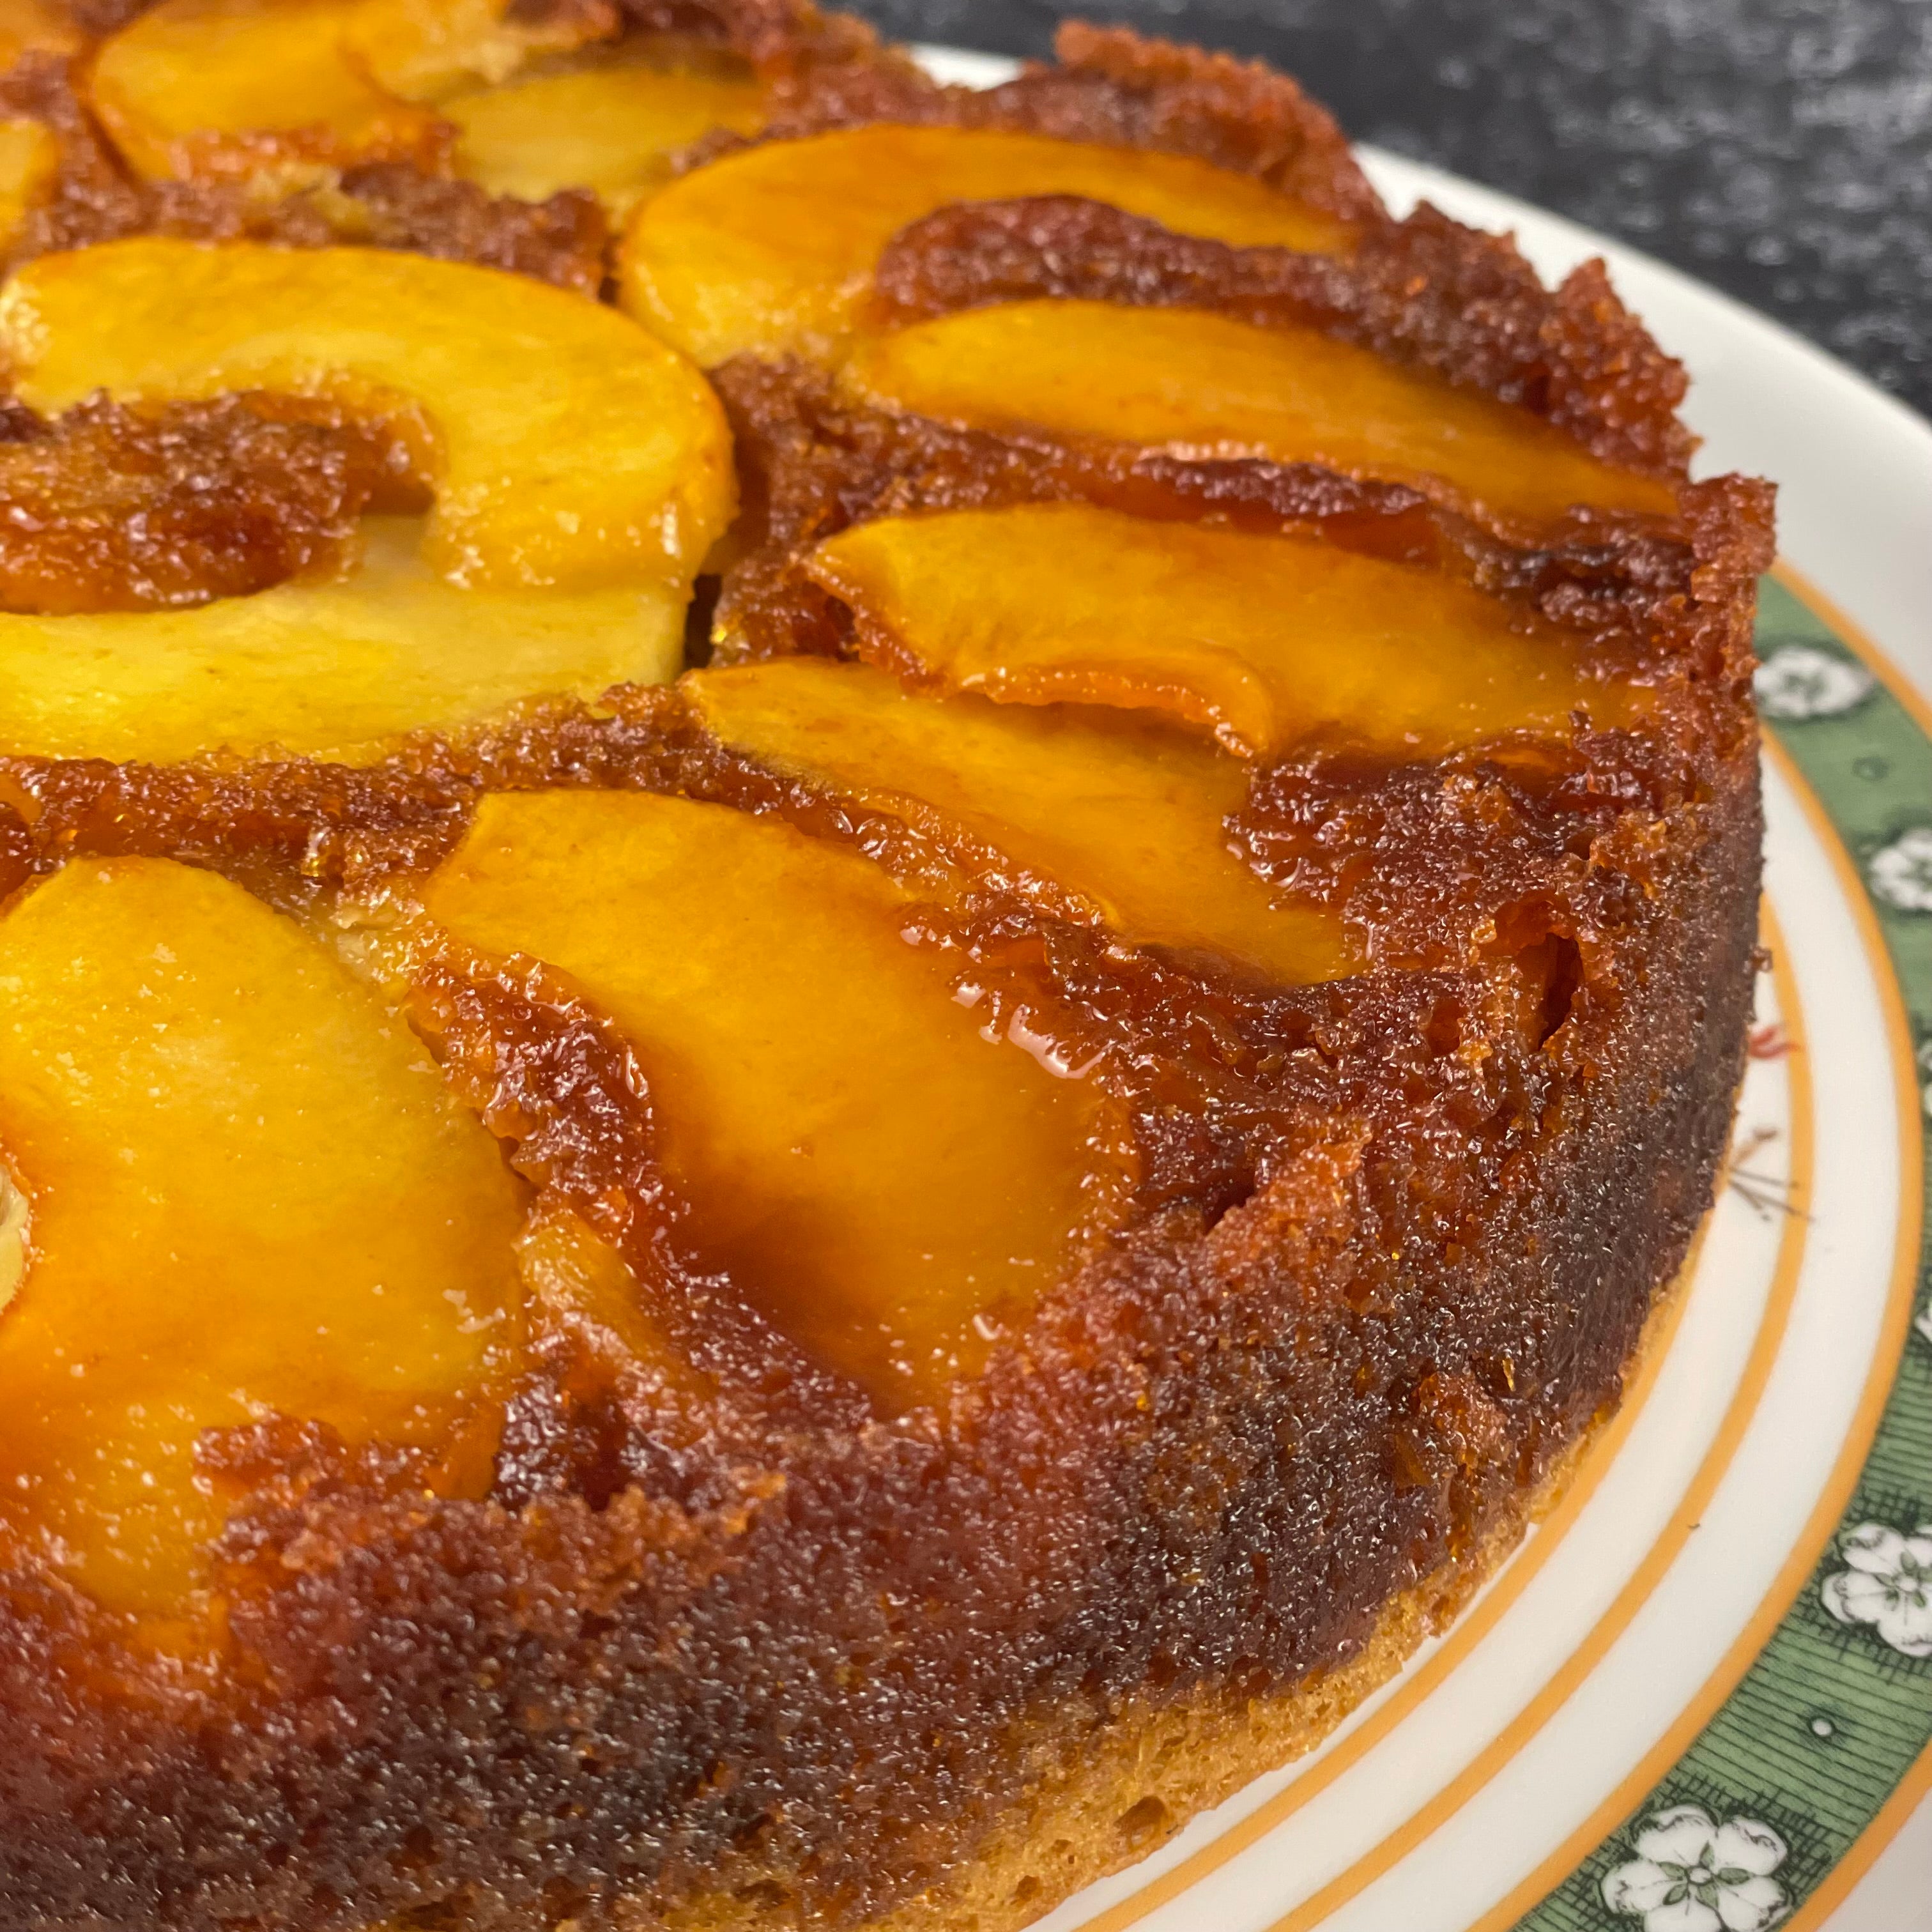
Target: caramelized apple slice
{"points": [[337, 671], [426, 50], [887, 1183], [214, 88], [1205, 386], [249, 1193], [566, 445], [1264, 639], [29, 26], [29, 160], [768, 250], [609, 129], [1108, 818]]}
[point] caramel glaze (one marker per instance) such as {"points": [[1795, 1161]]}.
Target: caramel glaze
{"points": [[115, 509], [721, 1629]]}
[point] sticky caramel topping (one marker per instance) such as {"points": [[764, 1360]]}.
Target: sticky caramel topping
{"points": [[1108, 816], [611, 128], [249, 1193], [566, 446], [770, 249], [108, 508], [1264, 640], [1203, 385], [892, 1187], [338, 669]]}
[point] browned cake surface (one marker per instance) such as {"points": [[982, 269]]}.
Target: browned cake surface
{"points": [[744, 1626]]}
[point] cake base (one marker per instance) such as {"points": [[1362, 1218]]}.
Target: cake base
{"points": [[1108, 1788]]}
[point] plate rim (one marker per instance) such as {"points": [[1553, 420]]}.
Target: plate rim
{"points": [[1829, 589]]}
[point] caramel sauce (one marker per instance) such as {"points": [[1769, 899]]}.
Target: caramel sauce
{"points": [[1203, 385], [1109, 818], [770, 249], [1264, 640], [894, 1188], [247, 1194], [113, 509]]}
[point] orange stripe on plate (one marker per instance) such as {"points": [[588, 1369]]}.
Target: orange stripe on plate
{"points": [[1860, 640], [1913, 1789], [1843, 1480]]}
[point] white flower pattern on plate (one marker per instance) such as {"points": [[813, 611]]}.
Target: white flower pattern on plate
{"points": [[1798, 681], [1901, 873], [1887, 1584], [1692, 1874]]}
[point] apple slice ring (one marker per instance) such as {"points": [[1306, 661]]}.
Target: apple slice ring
{"points": [[581, 471]]}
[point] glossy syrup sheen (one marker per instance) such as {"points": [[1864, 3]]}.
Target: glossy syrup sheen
{"points": [[1105, 815], [1265, 641], [893, 1188], [771, 249], [247, 1194], [1205, 386]]}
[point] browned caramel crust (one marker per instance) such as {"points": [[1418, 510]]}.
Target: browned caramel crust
{"points": [[1426, 291], [111, 508], [94, 199], [724, 1647]]}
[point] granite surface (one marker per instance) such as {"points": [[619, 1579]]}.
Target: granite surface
{"points": [[1781, 149]]}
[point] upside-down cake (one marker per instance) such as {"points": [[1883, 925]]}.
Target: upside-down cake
{"points": [[864, 951]]}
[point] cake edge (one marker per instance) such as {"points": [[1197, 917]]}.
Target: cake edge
{"points": [[1115, 1786]]}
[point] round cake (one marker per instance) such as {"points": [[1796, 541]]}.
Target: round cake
{"points": [[865, 951]]}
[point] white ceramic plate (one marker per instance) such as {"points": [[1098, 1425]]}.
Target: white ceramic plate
{"points": [[1700, 1697]]}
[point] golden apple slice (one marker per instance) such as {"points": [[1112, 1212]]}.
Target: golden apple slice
{"points": [[425, 50], [234, 88], [610, 129], [337, 670], [565, 445], [888, 1185], [1264, 639], [1106, 816], [768, 250], [29, 160], [12, 1237], [250, 1194], [1205, 386]]}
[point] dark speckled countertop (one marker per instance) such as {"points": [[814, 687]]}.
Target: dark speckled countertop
{"points": [[1781, 149]]}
